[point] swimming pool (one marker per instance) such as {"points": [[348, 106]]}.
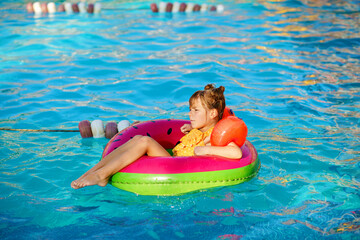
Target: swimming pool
{"points": [[291, 71]]}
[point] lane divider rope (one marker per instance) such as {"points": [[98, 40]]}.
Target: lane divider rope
{"points": [[40, 8], [37, 130]]}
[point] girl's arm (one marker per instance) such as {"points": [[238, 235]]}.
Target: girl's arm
{"points": [[230, 151]]}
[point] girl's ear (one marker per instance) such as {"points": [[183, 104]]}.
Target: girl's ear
{"points": [[214, 113]]}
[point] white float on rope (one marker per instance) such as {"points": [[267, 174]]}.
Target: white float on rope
{"points": [[176, 6], [97, 128], [51, 8], [123, 124], [82, 7], [68, 8], [37, 8], [97, 7], [220, 8], [204, 7], [162, 7], [189, 7]]}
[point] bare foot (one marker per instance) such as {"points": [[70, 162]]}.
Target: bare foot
{"points": [[89, 180]]}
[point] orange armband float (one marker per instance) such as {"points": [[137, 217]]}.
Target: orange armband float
{"points": [[229, 129]]}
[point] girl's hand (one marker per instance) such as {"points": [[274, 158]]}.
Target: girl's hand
{"points": [[200, 150], [186, 128]]}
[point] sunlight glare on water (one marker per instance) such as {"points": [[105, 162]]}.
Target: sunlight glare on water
{"points": [[291, 72]]}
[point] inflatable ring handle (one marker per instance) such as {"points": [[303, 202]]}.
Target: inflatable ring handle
{"points": [[228, 112]]}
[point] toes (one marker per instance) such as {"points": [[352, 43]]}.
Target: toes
{"points": [[75, 185]]}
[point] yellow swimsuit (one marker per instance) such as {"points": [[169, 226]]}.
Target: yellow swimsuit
{"points": [[191, 140]]}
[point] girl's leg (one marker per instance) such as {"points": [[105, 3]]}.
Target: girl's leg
{"points": [[114, 162], [117, 151]]}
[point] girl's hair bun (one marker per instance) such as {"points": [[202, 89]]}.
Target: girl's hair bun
{"points": [[209, 86], [211, 97], [222, 89]]}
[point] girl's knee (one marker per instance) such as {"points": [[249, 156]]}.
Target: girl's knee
{"points": [[136, 137], [140, 139], [149, 146], [145, 140], [134, 141]]}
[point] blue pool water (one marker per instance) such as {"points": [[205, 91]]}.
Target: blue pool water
{"points": [[291, 70]]}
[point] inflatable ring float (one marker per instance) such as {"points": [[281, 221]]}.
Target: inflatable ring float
{"points": [[178, 175]]}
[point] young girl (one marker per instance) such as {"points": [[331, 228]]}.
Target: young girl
{"points": [[206, 109]]}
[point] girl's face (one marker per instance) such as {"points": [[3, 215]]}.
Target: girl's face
{"points": [[200, 117]]}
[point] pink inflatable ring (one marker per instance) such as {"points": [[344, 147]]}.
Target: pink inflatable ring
{"points": [[178, 175]]}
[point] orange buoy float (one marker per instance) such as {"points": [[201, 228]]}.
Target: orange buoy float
{"points": [[85, 129], [154, 8], [169, 7], [111, 129], [61, 8], [196, 8], [90, 8], [75, 8], [44, 8], [29, 7]]}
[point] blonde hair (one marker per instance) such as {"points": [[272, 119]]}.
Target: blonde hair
{"points": [[211, 98]]}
